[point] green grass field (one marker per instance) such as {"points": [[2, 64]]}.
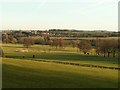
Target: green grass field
{"points": [[29, 74], [24, 73], [65, 54]]}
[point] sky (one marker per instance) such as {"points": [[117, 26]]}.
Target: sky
{"points": [[59, 14]]}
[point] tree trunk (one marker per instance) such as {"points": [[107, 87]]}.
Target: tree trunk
{"points": [[104, 53], [98, 53], [84, 52], [33, 56], [56, 47], [108, 54], [114, 53]]}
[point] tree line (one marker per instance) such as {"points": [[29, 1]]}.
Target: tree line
{"points": [[103, 47]]}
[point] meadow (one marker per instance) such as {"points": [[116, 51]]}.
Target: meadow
{"points": [[19, 72]]}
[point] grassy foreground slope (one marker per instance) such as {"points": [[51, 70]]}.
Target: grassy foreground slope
{"points": [[32, 74]]}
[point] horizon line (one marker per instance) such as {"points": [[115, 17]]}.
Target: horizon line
{"points": [[58, 29]]}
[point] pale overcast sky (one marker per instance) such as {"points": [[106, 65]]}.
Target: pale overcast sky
{"points": [[62, 14]]}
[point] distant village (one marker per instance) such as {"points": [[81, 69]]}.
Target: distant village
{"points": [[60, 33]]}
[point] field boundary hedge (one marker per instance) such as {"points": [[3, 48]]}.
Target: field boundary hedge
{"points": [[78, 64]]}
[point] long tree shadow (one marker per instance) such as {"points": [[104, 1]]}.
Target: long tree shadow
{"points": [[65, 56]]}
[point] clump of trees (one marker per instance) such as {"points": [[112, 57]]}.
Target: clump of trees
{"points": [[39, 41], [1, 52], [46, 40], [74, 43], [84, 46], [57, 42], [106, 47], [8, 39], [27, 41]]}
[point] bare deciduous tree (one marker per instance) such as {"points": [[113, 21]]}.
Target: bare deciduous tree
{"points": [[84, 46], [27, 42]]}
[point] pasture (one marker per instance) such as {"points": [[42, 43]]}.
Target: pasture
{"points": [[29, 74], [19, 72], [44, 52]]}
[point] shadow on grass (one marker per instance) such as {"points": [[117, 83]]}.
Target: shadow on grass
{"points": [[65, 56]]}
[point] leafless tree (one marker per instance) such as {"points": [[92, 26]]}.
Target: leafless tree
{"points": [[84, 46]]}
